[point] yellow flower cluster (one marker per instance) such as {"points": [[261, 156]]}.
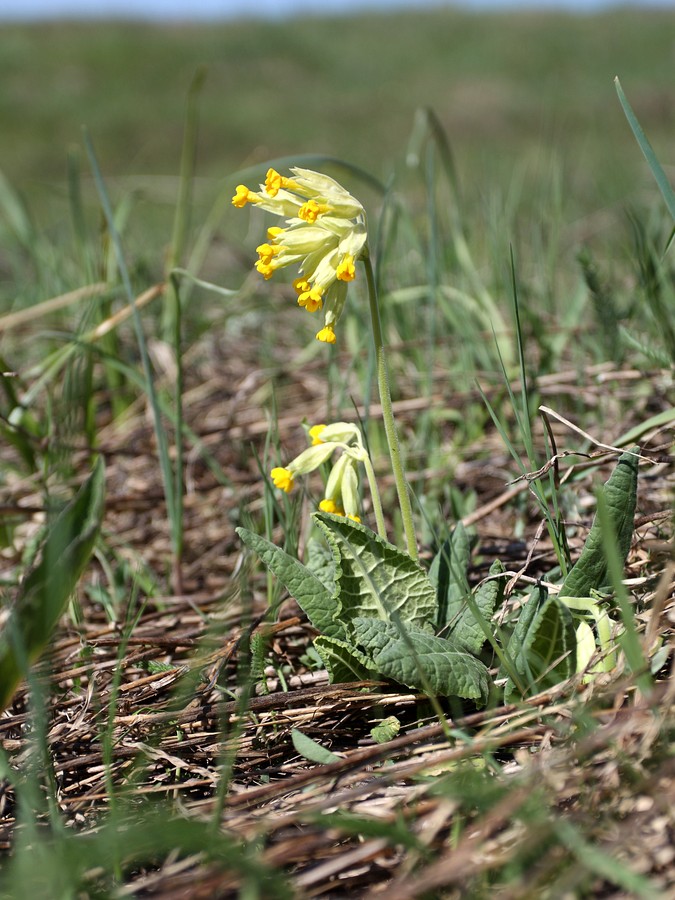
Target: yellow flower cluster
{"points": [[341, 491], [324, 237]]}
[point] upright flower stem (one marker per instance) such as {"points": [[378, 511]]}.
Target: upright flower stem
{"points": [[388, 412], [375, 497]]}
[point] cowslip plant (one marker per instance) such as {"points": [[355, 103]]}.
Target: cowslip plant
{"points": [[341, 491], [377, 612], [553, 638], [325, 236]]}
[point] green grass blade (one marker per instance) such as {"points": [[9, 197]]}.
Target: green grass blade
{"points": [[46, 589], [160, 431], [647, 151]]}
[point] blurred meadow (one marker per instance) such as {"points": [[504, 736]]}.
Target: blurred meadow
{"points": [[169, 728]]}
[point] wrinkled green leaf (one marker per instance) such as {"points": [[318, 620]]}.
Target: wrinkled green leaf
{"points": [[590, 572], [386, 730], [311, 750], [543, 645], [319, 561], [343, 661], [374, 578], [468, 630], [422, 661], [46, 589], [448, 574], [311, 594]]}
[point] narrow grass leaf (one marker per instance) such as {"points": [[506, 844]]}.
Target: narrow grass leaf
{"points": [[160, 431], [46, 589], [604, 864], [647, 151]]}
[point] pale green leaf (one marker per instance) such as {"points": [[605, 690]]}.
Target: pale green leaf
{"points": [[386, 730], [448, 574], [472, 621], [311, 750], [311, 594], [423, 661], [319, 561], [374, 578], [590, 572], [542, 646]]}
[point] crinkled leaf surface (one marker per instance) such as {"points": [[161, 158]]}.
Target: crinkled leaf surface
{"points": [[620, 491], [343, 661], [448, 574], [319, 561], [374, 578], [447, 670], [468, 631], [313, 596], [386, 730], [542, 646]]}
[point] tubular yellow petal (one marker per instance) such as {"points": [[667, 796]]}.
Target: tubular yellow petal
{"points": [[273, 182], [265, 269], [283, 479], [266, 252], [310, 211], [243, 196], [326, 335], [301, 285], [311, 300], [346, 271], [315, 432]]}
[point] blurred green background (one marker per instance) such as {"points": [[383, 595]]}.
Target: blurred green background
{"points": [[521, 95]]}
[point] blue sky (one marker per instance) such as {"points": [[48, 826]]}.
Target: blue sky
{"points": [[211, 9]]}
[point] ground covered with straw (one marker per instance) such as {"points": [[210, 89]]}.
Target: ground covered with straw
{"points": [[570, 793], [174, 734]]}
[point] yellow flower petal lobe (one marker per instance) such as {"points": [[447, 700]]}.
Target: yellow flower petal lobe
{"points": [[326, 335], [283, 479]]}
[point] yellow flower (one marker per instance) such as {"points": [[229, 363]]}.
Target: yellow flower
{"points": [[341, 491], [283, 479], [330, 506], [324, 237], [315, 432], [346, 271]]}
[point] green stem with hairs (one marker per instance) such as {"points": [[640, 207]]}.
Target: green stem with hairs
{"points": [[375, 497], [388, 412]]}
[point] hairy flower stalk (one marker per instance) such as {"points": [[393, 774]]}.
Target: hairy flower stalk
{"points": [[341, 490], [324, 237]]}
